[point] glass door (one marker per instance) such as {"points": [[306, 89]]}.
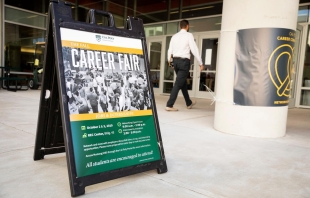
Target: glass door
{"points": [[294, 66], [168, 72], [304, 72], [208, 48], [156, 56]]}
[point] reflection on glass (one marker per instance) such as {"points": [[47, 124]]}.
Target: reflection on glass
{"points": [[207, 24], [303, 14], [40, 6], [155, 55], [169, 71], [168, 87], [20, 43], [207, 79], [306, 69], [192, 59], [293, 66], [305, 97], [155, 77], [209, 53], [196, 25], [209, 57], [172, 27], [155, 30], [19, 16], [306, 76], [189, 81]]}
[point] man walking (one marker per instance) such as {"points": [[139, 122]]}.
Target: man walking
{"points": [[181, 44]]}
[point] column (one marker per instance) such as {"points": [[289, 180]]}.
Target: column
{"points": [[135, 8], [258, 120], [76, 10], [168, 10], [180, 8], [125, 12]]}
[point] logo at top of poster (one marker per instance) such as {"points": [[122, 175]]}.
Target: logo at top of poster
{"points": [[98, 38], [281, 57]]}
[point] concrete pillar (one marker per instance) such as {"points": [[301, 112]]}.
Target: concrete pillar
{"points": [[253, 121]]}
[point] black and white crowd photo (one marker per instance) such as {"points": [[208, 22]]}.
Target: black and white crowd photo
{"points": [[99, 82]]}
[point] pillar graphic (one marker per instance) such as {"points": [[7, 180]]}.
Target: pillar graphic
{"points": [[255, 58]]}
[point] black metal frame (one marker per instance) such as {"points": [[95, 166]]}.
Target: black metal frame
{"points": [[53, 128]]}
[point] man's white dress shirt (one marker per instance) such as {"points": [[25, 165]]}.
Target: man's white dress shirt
{"points": [[181, 44]]}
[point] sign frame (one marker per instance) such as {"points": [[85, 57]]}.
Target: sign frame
{"points": [[53, 118]]}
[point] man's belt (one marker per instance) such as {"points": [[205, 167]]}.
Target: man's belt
{"points": [[181, 58]]}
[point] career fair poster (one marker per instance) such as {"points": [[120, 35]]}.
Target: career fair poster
{"points": [[109, 102], [264, 66]]}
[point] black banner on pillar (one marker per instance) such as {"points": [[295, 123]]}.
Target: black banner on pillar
{"points": [[264, 64]]}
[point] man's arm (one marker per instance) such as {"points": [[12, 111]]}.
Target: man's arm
{"points": [[195, 51]]}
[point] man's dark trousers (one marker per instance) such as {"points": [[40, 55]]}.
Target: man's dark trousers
{"points": [[181, 68]]}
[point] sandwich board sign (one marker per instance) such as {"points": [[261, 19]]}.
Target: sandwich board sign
{"points": [[97, 101]]}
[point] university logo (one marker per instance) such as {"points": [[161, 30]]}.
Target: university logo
{"points": [[98, 38]]}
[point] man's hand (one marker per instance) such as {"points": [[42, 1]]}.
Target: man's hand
{"points": [[201, 68]]}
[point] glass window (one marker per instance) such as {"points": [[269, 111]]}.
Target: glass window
{"points": [[197, 25], [40, 6], [168, 87], [155, 30], [196, 10], [207, 24], [303, 14], [155, 77], [305, 97], [305, 92], [169, 71], [27, 18], [155, 55], [20, 44], [306, 69], [117, 9], [172, 28]]}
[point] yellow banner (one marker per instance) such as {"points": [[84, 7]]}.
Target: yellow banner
{"points": [[105, 48], [109, 115]]}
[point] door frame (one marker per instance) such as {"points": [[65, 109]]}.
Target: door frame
{"points": [[161, 39], [198, 37], [302, 57], [293, 101]]}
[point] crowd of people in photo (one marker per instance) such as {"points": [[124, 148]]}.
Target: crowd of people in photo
{"points": [[90, 90]]}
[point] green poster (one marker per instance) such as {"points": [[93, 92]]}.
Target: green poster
{"points": [[103, 145]]}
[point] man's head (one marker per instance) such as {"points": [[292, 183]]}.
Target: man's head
{"points": [[184, 24]]}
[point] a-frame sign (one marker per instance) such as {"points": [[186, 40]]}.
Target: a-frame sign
{"points": [[97, 101]]}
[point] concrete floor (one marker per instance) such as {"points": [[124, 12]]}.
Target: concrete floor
{"points": [[201, 161]]}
